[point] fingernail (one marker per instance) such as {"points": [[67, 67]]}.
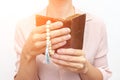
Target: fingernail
{"points": [[82, 65], [60, 51], [59, 23], [69, 36], [67, 29]]}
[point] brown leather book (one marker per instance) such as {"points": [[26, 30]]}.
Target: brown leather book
{"points": [[75, 22]]}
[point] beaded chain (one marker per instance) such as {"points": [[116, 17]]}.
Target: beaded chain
{"points": [[48, 50]]}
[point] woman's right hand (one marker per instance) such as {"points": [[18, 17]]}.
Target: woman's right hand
{"points": [[36, 42]]}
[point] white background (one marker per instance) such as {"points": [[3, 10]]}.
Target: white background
{"points": [[12, 11]]}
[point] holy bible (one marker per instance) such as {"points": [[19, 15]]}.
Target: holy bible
{"points": [[75, 22]]}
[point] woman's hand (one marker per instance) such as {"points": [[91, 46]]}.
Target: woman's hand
{"points": [[36, 41], [72, 59]]}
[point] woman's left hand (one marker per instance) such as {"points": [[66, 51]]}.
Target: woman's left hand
{"points": [[72, 59]]}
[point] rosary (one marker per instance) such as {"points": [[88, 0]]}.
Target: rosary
{"points": [[48, 50]]}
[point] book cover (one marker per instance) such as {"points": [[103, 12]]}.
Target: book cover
{"points": [[75, 22]]}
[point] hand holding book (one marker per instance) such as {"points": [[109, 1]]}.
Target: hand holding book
{"points": [[75, 22]]}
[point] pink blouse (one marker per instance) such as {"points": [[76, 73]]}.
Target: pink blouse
{"points": [[95, 47]]}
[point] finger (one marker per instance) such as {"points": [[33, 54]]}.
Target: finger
{"points": [[60, 39], [59, 32], [76, 59], [74, 69], [53, 34], [68, 64], [40, 44], [70, 51], [39, 37], [53, 26], [39, 50], [58, 45]]}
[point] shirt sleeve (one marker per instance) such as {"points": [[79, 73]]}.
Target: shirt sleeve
{"points": [[101, 61], [18, 44]]}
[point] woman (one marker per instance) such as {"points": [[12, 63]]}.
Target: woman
{"points": [[67, 64]]}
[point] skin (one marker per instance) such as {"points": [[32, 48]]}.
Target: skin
{"points": [[71, 59], [37, 38]]}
